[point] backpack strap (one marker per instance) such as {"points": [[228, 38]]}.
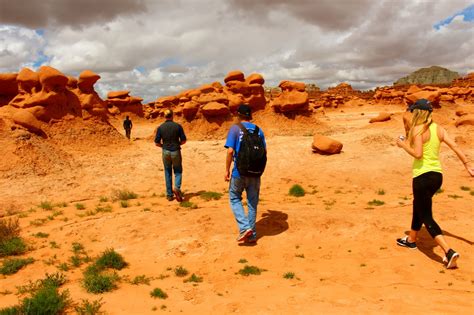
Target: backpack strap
{"points": [[242, 127]]}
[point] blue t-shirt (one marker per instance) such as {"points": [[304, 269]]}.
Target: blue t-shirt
{"points": [[234, 138]]}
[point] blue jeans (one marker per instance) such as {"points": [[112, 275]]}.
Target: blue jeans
{"points": [[251, 185], [172, 162]]}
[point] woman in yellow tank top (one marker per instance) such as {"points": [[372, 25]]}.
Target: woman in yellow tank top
{"points": [[423, 143]]}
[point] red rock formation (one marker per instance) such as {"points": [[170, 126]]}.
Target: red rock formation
{"points": [[292, 98], [381, 117], [8, 87], [121, 101]]}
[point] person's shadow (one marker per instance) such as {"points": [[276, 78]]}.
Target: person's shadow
{"points": [[273, 222], [426, 243]]}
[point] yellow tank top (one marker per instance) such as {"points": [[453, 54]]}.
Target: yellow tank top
{"points": [[430, 161]]}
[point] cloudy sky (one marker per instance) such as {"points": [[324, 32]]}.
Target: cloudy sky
{"points": [[157, 48]]}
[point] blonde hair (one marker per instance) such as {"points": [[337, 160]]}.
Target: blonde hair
{"points": [[420, 117]]}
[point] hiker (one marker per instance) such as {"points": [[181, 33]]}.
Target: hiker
{"points": [[127, 125], [246, 147], [423, 143], [170, 137]]}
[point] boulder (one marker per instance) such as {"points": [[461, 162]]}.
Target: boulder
{"points": [[255, 78], [290, 85], [213, 109], [86, 81], [28, 81], [26, 119], [52, 79], [432, 96], [213, 97], [190, 109], [290, 101], [446, 98], [326, 145], [118, 94], [207, 88], [235, 75], [384, 116], [8, 84]]}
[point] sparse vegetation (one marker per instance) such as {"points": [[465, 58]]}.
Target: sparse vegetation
{"points": [[158, 293], [53, 245], [380, 192], [243, 261], [77, 248], [41, 235], [465, 188], [299, 255], [80, 206], [61, 204], [180, 271], [10, 242], [124, 204], [46, 205], [289, 275], [250, 270], [103, 199], [141, 279], [63, 267], [111, 259], [454, 196], [193, 278], [188, 204], [97, 279], [472, 193], [376, 202], [297, 191], [123, 195], [89, 308], [211, 195], [440, 191], [13, 265], [106, 208], [38, 222]]}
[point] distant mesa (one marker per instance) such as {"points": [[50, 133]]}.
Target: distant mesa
{"points": [[433, 75]]}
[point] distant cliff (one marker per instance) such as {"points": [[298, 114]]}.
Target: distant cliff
{"points": [[428, 76]]}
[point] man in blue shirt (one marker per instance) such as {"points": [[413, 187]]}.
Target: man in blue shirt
{"points": [[170, 137], [238, 184]]}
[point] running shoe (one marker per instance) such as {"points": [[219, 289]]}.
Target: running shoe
{"points": [[178, 194], [450, 259], [244, 235], [405, 243]]}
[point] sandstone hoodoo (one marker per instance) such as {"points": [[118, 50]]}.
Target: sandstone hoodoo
{"points": [[325, 145], [213, 100], [293, 97], [381, 117], [121, 102], [8, 87]]}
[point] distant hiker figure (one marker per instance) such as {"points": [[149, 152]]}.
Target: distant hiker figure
{"points": [[170, 136], [127, 125], [246, 147], [423, 143]]}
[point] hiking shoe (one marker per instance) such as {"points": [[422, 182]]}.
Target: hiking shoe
{"points": [[251, 240], [244, 235], [178, 194], [170, 198], [405, 243], [450, 259]]}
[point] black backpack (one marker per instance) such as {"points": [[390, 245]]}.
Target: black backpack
{"points": [[252, 156]]}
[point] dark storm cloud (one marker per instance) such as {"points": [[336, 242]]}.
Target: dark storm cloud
{"points": [[44, 13]]}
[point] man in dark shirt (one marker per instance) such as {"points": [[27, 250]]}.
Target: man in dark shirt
{"points": [[170, 136], [127, 125]]}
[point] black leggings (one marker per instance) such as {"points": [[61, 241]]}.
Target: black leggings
{"points": [[424, 187]]}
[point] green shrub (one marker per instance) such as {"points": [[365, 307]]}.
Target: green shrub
{"points": [[123, 195], [141, 279], [9, 229], [289, 275], [89, 308], [440, 191], [106, 208], [97, 282], [124, 203], [376, 202], [111, 259], [41, 235], [180, 271], [80, 206], [242, 261], [454, 196], [188, 204], [103, 199], [12, 247], [193, 278], [12, 266], [46, 205], [211, 195], [465, 188], [47, 300], [297, 191], [380, 192], [250, 270], [61, 204], [158, 293]]}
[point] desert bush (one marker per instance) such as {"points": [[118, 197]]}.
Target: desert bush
{"points": [[289, 275], [13, 265], [211, 195], [9, 229], [250, 270], [158, 293], [80, 206], [297, 191], [111, 259], [188, 204], [12, 247], [41, 235], [141, 279], [180, 271], [376, 202], [96, 279], [46, 205], [124, 203], [89, 308], [193, 278], [123, 195]]}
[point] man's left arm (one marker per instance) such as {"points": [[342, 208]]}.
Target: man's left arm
{"points": [[182, 136], [158, 138]]}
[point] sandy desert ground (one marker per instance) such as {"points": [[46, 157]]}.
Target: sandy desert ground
{"points": [[341, 249]]}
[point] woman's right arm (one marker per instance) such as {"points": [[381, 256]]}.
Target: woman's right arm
{"points": [[453, 146]]}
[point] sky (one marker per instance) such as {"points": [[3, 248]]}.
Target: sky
{"points": [[160, 47]]}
